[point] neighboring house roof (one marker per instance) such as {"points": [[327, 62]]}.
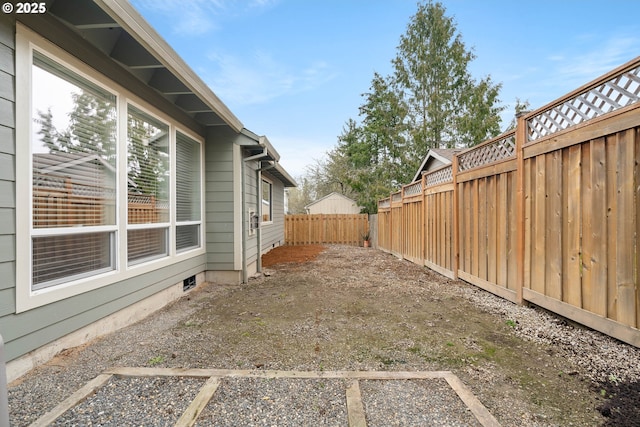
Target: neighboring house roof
{"points": [[50, 163], [443, 155], [116, 29], [329, 196]]}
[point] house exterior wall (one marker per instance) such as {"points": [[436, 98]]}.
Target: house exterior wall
{"points": [[273, 233], [333, 204], [32, 329], [28, 331], [222, 200], [7, 177]]}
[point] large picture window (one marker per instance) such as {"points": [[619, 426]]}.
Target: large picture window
{"points": [[108, 187], [74, 147]]}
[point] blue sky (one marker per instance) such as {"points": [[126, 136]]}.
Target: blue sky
{"points": [[294, 70]]}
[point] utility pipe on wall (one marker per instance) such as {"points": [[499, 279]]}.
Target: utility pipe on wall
{"points": [[4, 397]]}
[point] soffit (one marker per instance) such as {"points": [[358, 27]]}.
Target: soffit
{"points": [[115, 28]]}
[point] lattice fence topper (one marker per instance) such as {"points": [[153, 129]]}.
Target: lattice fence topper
{"points": [[488, 153], [413, 189], [612, 95], [440, 176], [384, 203], [396, 197]]}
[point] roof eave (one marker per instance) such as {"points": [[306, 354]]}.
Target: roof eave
{"points": [[139, 28]]}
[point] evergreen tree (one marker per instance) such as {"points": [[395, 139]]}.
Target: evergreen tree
{"points": [[447, 108]]}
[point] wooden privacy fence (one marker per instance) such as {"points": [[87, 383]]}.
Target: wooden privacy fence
{"points": [[548, 213], [325, 228]]}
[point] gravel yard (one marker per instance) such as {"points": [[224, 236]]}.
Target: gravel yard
{"points": [[355, 309]]}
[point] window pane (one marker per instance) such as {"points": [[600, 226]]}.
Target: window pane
{"points": [[266, 201], [187, 178], [147, 168], [146, 244], [74, 149], [63, 258], [187, 237]]}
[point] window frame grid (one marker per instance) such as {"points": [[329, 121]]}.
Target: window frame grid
{"points": [[28, 41]]}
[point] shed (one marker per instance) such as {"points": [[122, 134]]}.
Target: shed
{"points": [[333, 203], [123, 188]]}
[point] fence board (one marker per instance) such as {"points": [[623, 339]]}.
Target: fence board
{"points": [[587, 225], [512, 226], [625, 241], [599, 228], [502, 226], [572, 265], [612, 225], [553, 216], [539, 227], [491, 232], [482, 229]]}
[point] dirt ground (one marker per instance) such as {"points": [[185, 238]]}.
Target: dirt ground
{"points": [[351, 308]]}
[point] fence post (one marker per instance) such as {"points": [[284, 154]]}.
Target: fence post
{"points": [[423, 220], [521, 135], [4, 400], [455, 262]]}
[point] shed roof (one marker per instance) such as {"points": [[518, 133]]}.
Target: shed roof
{"points": [[445, 155]]}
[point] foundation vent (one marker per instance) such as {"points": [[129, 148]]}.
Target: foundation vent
{"points": [[188, 283]]}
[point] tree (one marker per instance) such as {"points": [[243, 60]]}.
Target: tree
{"points": [[481, 115], [520, 107], [91, 128], [374, 150], [447, 107]]}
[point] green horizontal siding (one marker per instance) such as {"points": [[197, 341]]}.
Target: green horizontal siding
{"points": [[7, 140], [8, 274], [273, 234], [32, 329], [219, 196], [7, 302]]}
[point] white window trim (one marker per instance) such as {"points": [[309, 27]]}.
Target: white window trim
{"points": [[26, 299], [270, 182]]}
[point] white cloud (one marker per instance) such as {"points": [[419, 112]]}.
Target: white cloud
{"points": [[198, 17], [583, 66], [297, 153], [259, 78]]}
